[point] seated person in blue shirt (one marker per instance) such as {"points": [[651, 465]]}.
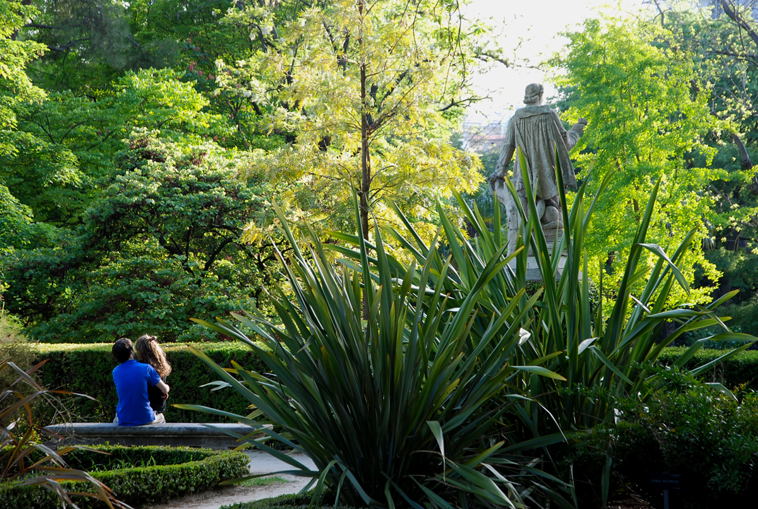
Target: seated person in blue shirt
{"points": [[132, 379]]}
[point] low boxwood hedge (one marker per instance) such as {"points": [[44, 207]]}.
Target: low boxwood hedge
{"points": [[160, 473], [296, 501], [86, 369]]}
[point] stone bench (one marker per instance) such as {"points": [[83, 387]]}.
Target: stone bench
{"points": [[210, 435]]}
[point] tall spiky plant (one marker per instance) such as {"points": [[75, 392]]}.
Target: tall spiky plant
{"points": [[603, 358], [382, 382]]}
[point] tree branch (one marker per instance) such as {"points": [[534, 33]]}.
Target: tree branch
{"points": [[735, 16], [487, 56], [461, 102]]}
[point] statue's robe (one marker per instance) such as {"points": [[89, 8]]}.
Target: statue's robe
{"points": [[540, 135]]}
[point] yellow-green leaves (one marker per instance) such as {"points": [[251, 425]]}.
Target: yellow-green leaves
{"points": [[648, 115], [335, 75]]}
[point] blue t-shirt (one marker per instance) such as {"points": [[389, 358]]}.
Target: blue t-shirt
{"points": [[132, 379]]}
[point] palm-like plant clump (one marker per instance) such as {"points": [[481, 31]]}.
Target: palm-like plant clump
{"points": [[378, 380], [418, 384]]}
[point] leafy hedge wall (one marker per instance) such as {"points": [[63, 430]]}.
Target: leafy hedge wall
{"points": [[739, 370], [86, 369], [178, 471]]}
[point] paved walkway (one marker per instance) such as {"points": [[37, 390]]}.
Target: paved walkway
{"points": [[260, 463]]}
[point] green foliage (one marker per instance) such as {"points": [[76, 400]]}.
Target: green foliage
{"points": [[15, 85], [24, 461], [739, 265], [730, 70], [69, 143], [738, 371], [15, 220], [86, 368], [360, 98], [95, 41], [562, 349], [161, 245], [602, 359], [725, 56], [648, 115], [707, 436], [171, 472], [383, 382], [300, 501]]}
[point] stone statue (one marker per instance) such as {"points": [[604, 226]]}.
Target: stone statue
{"points": [[538, 132]]}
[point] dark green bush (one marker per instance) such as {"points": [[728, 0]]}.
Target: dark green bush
{"points": [[739, 370], [297, 501], [176, 472], [708, 437], [86, 368]]}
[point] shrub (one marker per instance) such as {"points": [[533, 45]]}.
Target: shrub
{"points": [[298, 501], [383, 383], [737, 371], [175, 472], [706, 435], [26, 463], [86, 369]]}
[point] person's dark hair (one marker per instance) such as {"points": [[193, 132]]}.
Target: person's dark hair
{"points": [[122, 350]]}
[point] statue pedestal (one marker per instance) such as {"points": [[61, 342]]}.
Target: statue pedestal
{"points": [[533, 272]]}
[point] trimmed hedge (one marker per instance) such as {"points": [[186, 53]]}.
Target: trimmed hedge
{"points": [[739, 370], [86, 369], [178, 471], [296, 501]]}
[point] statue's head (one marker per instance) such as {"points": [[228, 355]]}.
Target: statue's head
{"points": [[533, 94]]}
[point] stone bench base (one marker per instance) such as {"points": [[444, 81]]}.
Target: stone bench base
{"points": [[210, 435]]}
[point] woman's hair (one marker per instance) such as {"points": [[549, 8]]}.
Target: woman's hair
{"points": [[147, 350]]}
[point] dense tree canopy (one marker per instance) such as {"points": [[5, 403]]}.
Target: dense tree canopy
{"points": [[159, 246], [363, 97], [649, 116], [124, 124]]}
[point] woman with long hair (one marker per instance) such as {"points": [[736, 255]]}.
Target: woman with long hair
{"points": [[147, 350]]}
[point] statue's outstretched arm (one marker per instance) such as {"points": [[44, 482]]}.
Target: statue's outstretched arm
{"points": [[576, 131]]}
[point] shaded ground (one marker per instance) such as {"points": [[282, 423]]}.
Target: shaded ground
{"points": [[630, 501], [262, 463]]}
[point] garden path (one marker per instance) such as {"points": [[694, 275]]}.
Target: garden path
{"points": [[260, 463]]}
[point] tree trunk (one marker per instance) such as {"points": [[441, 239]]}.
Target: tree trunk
{"points": [[745, 162], [365, 188]]}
